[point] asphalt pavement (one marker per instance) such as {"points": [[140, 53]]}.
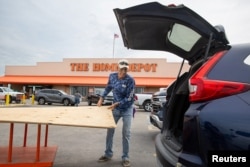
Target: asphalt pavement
{"points": [[81, 147]]}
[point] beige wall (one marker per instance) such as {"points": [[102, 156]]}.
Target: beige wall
{"points": [[162, 69], [64, 68]]}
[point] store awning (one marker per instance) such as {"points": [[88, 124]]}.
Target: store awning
{"points": [[80, 80]]}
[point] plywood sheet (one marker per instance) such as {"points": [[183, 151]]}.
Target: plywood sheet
{"points": [[86, 116]]}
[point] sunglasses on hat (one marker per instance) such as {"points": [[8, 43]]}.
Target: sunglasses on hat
{"points": [[123, 63]]}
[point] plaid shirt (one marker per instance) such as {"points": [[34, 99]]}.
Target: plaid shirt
{"points": [[123, 90]]}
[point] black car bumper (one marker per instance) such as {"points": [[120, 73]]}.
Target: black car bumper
{"points": [[165, 158]]}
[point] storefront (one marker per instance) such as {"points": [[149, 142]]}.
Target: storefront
{"points": [[87, 75]]}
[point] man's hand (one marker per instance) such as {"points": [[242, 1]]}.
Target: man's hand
{"points": [[99, 104], [113, 106]]}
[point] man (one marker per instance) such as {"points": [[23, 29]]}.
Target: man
{"points": [[122, 86], [78, 96]]}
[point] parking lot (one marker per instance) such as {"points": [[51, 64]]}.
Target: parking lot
{"points": [[81, 147]]}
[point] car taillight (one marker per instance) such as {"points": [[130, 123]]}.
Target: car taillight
{"points": [[202, 89], [135, 98]]}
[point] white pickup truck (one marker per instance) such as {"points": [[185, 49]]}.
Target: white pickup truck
{"points": [[143, 100], [14, 96]]}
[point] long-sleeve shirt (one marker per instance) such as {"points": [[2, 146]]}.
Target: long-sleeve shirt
{"points": [[78, 95], [123, 90]]}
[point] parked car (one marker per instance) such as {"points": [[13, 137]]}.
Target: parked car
{"points": [[158, 98], [14, 96], [143, 100], [208, 111], [156, 116], [50, 96], [158, 101], [108, 100]]}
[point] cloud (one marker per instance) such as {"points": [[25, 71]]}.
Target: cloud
{"points": [[44, 30]]}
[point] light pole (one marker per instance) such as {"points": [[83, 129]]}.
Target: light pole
{"points": [[115, 36]]}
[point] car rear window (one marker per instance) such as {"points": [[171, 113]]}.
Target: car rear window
{"points": [[183, 37], [234, 66]]}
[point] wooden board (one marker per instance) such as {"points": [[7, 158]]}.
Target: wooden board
{"points": [[89, 116]]}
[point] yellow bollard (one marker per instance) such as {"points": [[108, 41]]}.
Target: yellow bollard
{"points": [[7, 99], [33, 99], [23, 99]]}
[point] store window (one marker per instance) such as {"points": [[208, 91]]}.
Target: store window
{"points": [[139, 90]]}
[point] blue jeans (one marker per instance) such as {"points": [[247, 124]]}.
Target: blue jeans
{"points": [[77, 101], [126, 116]]}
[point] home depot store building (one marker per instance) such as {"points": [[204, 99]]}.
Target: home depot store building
{"points": [[89, 74]]}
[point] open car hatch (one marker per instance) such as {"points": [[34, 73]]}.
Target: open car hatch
{"points": [[175, 29]]}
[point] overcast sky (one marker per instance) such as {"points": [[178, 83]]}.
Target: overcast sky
{"points": [[50, 30]]}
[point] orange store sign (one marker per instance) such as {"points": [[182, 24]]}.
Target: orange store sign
{"points": [[105, 67]]}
